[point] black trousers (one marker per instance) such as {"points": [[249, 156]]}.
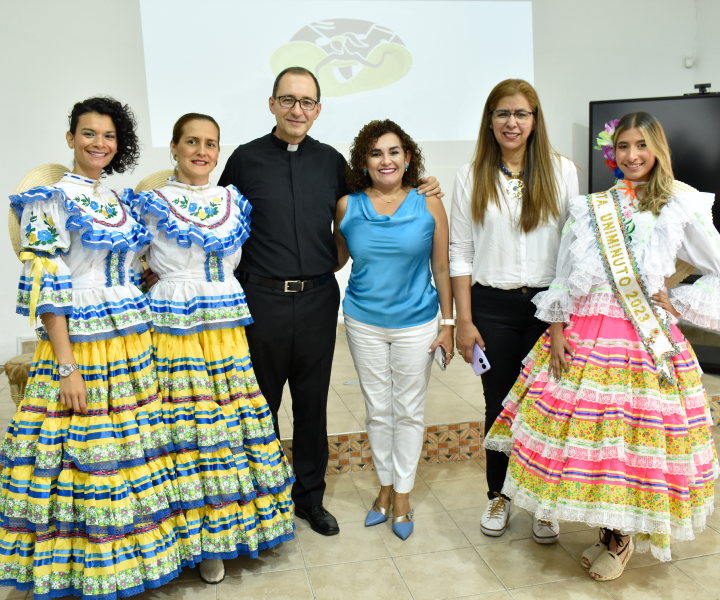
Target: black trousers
{"points": [[292, 339], [506, 321]]}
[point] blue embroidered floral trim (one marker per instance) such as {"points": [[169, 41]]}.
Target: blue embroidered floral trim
{"points": [[112, 278], [243, 549], [197, 233], [105, 335], [94, 238], [108, 212], [115, 268], [214, 271], [202, 327], [193, 209], [121, 267]]}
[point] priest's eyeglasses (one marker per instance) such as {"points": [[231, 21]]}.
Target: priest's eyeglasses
{"points": [[289, 102], [503, 116]]}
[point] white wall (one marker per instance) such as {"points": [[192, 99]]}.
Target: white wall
{"points": [[707, 68], [56, 53]]}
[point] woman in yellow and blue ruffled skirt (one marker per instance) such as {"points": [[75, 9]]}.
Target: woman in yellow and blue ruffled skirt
{"points": [[233, 478], [88, 506]]}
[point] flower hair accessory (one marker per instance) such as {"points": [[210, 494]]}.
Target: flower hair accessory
{"points": [[606, 144]]}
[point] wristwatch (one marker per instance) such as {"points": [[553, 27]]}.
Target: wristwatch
{"points": [[65, 370], [447, 322]]}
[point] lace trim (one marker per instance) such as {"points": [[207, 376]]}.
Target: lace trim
{"points": [[644, 399], [630, 521], [656, 255], [699, 303], [611, 450]]}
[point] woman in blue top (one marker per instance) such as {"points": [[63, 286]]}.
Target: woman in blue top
{"points": [[393, 235]]}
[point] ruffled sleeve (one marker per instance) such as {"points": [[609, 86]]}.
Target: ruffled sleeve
{"points": [[579, 266], [699, 303], [45, 282], [553, 306], [136, 268], [223, 240]]}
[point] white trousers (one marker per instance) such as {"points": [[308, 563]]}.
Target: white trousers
{"points": [[394, 370]]}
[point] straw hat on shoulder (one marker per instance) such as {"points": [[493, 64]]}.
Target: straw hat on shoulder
{"points": [[43, 175], [682, 269], [154, 181]]}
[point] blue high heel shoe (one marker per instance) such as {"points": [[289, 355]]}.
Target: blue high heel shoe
{"points": [[374, 517], [402, 526]]}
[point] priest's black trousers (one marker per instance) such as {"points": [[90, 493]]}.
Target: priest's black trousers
{"points": [[292, 338]]}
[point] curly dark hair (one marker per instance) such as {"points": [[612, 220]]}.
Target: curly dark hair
{"points": [[362, 146], [128, 144]]}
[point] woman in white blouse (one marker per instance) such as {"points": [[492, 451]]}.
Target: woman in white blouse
{"points": [[509, 205]]}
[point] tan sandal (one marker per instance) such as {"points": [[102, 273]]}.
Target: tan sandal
{"points": [[609, 565], [591, 554]]}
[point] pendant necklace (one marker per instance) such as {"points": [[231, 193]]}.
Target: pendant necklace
{"points": [[386, 201], [515, 187]]}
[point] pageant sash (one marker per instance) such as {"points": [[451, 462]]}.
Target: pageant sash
{"points": [[650, 321]]}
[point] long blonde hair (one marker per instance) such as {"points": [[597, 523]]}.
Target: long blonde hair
{"points": [[541, 197], [658, 190]]}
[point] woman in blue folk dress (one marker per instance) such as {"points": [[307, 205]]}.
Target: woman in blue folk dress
{"points": [[88, 506], [234, 480]]}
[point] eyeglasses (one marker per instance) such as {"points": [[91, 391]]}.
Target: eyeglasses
{"points": [[289, 102], [503, 116]]}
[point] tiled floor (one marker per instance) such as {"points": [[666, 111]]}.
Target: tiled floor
{"points": [[454, 396], [446, 556]]}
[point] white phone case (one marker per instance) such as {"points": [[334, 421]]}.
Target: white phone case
{"points": [[440, 357]]}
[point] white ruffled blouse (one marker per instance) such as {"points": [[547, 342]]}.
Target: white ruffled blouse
{"points": [[88, 232], [197, 233], [683, 230]]}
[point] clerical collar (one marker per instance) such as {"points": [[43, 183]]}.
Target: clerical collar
{"points": [[284, 145]]}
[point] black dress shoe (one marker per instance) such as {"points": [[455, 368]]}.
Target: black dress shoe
{"points": [[320, 520]]}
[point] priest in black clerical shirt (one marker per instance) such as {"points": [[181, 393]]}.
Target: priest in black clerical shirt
{"points": [[287, 271]]}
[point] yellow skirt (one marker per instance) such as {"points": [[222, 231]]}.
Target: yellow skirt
{"points": [[89, 504], [233, 477]]}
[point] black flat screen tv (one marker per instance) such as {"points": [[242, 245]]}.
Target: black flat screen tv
{"points": [[692, 127]]}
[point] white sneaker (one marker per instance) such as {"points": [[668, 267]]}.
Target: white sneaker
{"points": [[495, 518], [545, 532], [212, 570]]}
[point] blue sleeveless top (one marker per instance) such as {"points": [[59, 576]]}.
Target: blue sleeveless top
{"points": [[390, 284]]}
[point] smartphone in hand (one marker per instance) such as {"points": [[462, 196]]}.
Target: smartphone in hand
{"points": [[441, 357], [480, 362]]}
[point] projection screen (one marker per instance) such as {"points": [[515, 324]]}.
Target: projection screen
{"points": [[427, 65]]}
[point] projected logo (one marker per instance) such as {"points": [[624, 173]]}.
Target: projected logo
{"points": [[347, 55]]}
